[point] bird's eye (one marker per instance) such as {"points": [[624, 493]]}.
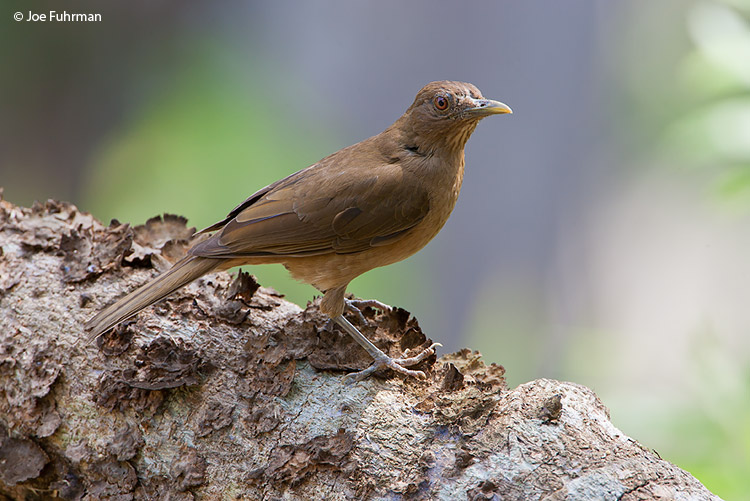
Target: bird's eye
{"points": [[441, 103]]}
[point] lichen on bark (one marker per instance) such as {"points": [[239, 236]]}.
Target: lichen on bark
{"points": [[226, 390]]}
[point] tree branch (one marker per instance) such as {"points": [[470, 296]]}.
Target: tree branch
{"points": [[226, 390]]}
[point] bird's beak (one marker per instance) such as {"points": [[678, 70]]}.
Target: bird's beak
{"points": [[485, 107]]}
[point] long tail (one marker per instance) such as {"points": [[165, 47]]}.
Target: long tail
{"points": [[182, 273]]}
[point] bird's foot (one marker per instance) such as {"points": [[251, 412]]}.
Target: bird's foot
{"points": [[356, 305], [396, 364], [380, 359], [367, 303]]}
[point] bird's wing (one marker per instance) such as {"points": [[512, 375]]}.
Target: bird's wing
{"points": [[315, 212], [249, 201]]}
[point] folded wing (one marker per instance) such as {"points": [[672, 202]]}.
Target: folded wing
{"points": [[324, 214]]}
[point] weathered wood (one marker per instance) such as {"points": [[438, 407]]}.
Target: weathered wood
{"points": [[227, 391]]}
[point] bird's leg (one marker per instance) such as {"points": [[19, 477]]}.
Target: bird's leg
{"points": [[380, 359], [334, 304]]}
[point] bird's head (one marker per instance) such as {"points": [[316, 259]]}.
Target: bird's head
{"points": [[445, 113]]}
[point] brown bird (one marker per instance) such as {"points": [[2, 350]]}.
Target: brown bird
{"points": [[368, 205]]}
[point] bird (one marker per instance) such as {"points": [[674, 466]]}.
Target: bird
{"points": [[368, 205]]}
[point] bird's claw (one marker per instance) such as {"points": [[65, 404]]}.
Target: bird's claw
{"points": [[356, 305], [367, 303], [396, 364]]}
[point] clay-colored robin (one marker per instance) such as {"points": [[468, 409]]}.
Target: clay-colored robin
{"points": [[368, 205]]}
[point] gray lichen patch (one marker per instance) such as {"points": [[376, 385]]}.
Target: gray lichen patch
{"points": [[20, 459], [27, 373], [88, 253], [160, 242], [292, 463]]}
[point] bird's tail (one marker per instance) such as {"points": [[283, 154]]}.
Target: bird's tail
{"points": [[182, 273]]}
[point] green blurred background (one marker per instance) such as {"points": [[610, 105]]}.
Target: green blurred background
{"points": [[603, 231]]}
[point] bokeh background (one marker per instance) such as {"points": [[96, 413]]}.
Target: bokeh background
{"points": [[603, 231]]}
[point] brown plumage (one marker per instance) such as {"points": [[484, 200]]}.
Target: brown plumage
{"points": [[368, 205]]}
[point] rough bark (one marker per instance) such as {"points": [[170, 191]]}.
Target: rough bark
{"points": [[227, 391]]}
